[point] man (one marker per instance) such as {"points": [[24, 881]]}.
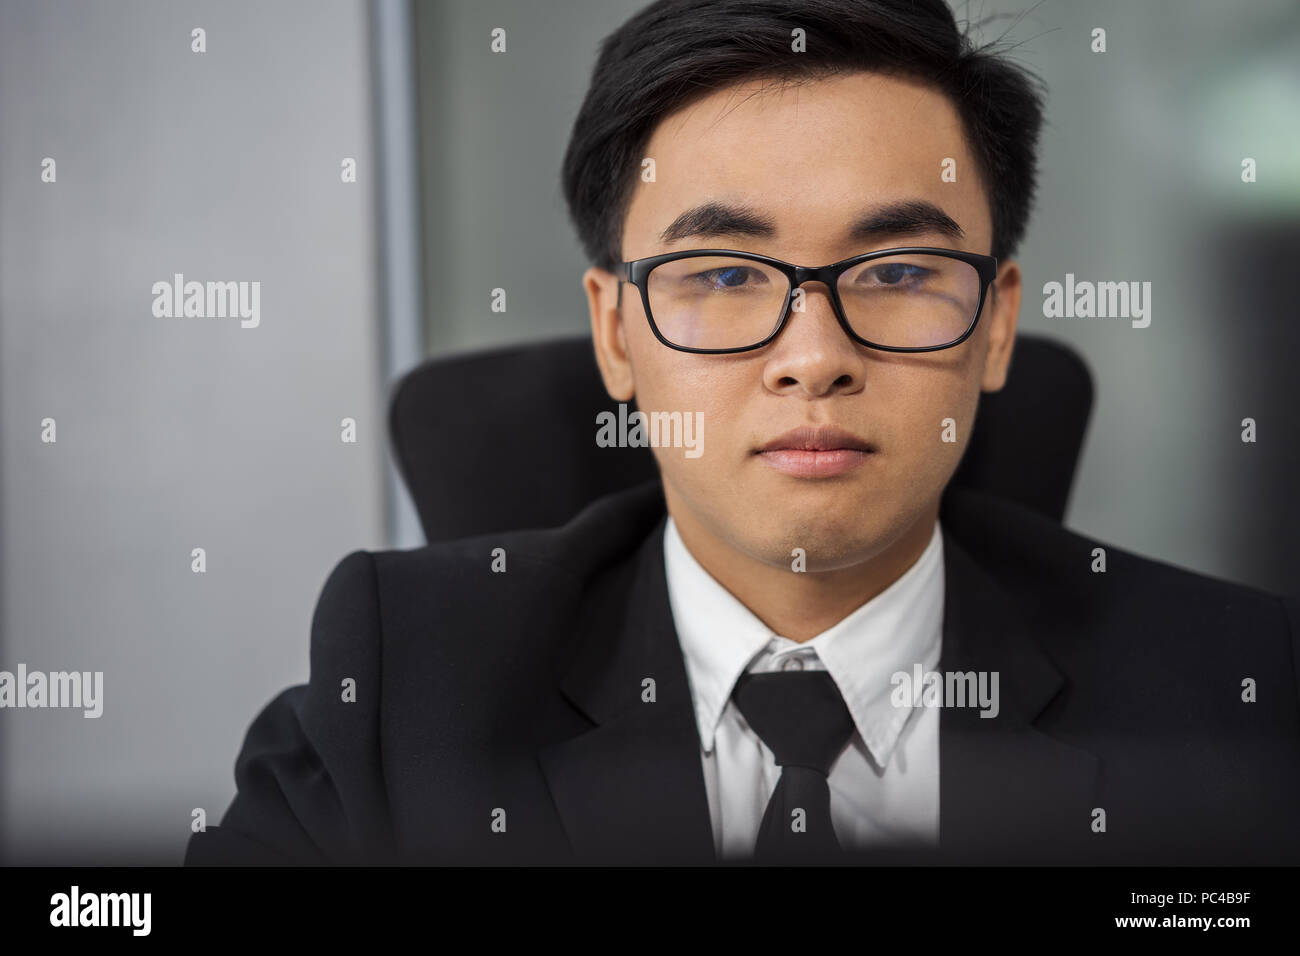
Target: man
{"points": [[799, 648]]}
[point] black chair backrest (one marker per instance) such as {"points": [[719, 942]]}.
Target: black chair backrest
{"points": [[505, 439]]}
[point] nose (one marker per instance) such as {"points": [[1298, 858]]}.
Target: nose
{"points": [[813, 355]]}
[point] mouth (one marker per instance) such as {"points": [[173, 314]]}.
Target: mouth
{"points": [[816, 452]]}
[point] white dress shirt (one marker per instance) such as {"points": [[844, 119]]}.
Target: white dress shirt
{"points": [[885, 785]]}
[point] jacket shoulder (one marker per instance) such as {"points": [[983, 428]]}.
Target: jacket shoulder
{"points": [[1019, 544], [1092, 599], [308, 778], [558, 562]]}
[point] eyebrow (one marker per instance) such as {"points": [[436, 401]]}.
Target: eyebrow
{"points": [[904, 218]]}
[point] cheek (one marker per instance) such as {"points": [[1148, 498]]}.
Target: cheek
{"points": [[934, 414], [715, 404], [672, 381]]}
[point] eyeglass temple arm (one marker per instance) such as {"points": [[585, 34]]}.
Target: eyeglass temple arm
{"points": [[624, 274]]}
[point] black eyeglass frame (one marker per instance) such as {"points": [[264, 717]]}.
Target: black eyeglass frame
{"points": [[638, 271]]}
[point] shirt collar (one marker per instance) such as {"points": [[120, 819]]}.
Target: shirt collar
{"points": [[897, 629]]}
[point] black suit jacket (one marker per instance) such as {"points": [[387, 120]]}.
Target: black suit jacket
{"points": [[499, 717]]}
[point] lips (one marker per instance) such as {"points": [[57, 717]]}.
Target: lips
{"points": [[821, 438], [816, 452]]}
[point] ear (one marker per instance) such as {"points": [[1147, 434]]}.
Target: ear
{"points": [[1002, 312], [607, 335]]}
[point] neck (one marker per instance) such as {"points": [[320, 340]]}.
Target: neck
{"points": [[799, 606]]}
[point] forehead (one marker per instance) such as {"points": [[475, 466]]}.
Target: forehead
{"points": [[809, 155]]}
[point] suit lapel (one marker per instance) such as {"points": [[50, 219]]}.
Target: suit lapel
{"points": [[631, 789], [1008, 790]]}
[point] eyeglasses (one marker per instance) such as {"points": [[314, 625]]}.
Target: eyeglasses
{"points": [[910, 299]]}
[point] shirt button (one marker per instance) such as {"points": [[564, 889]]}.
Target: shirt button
{"points": [[792, 664]]}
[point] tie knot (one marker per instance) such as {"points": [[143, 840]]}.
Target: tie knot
{"points": [[801, 716]]}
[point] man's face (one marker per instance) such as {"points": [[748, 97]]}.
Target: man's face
{"points": [[810, 160]]}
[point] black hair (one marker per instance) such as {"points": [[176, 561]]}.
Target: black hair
{"points": [[676, 51]]}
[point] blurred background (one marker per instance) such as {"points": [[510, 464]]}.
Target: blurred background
{"points": [[175, 434]]}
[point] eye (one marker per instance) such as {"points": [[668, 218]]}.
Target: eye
{"points": [[728, 277], [895, 273]]}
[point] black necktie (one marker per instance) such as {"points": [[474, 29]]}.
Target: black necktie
{"points": [[805, 723]]}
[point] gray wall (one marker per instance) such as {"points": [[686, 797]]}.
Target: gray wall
{"points": [[1140, 181], [175, 433]]}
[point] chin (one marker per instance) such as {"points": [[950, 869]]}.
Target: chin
{"points": [[826, 543]]}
